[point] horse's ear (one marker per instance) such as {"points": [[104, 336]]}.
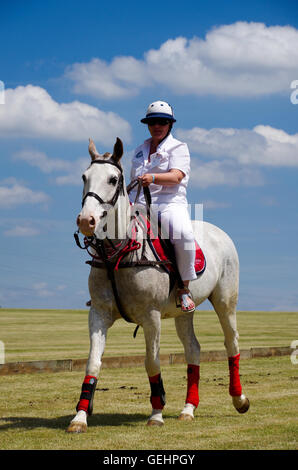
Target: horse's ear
{"points": [[92, 150], [118, 150]]}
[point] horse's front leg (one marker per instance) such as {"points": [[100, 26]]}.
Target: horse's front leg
{"points": [[98, 327], [151, 326]]}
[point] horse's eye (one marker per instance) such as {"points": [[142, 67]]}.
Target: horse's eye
{"points": [[84, 178], [113, 180]]}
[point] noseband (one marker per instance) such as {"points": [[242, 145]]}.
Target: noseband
{"points": [[118, 189]]}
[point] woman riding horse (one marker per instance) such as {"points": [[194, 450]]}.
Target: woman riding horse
{"points": [[163, 163]]}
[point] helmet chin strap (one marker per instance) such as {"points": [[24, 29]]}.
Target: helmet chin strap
{"points": [[170, 128]]}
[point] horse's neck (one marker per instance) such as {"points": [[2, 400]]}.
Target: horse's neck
{"points": [[122, 216]]}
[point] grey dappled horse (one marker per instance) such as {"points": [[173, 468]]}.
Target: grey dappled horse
{"points": [[144, 293]]}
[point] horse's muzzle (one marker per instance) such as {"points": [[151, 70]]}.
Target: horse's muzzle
{"points": [[86, 225]]}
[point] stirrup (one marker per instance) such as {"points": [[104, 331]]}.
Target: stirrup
{"points": [[182, 295]]}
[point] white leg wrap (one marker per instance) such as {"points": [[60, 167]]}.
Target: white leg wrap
{"points": [[188, 409], [80, 417], [156, 416]]}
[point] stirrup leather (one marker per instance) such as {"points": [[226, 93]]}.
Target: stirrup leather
{"points": [[182, 296]]}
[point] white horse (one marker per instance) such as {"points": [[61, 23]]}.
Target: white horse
{"points": [[144, 293]]}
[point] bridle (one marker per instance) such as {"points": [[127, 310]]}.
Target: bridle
{"points": [[119, 188]]}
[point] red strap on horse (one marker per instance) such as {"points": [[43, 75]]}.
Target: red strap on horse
{"points": [[193, 377], [131, 246], [86, 398], [158, 395], [235, 388]]}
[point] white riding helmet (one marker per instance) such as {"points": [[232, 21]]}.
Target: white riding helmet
{"points": [[159, 109]]}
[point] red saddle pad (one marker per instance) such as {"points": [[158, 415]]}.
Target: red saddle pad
{"points": [[160, 253]]}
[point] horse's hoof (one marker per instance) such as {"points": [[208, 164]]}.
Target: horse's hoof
{"points": [[77, 427], [245, 407], [185, 417], [154, 422]]}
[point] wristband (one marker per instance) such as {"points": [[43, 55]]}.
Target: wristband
{"points": [[153, 178]]}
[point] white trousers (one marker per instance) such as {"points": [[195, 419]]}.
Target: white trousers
{"points": [[175, 220]]}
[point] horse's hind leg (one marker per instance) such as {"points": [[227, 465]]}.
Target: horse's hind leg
{"points": [[185, 331], [225, 307]]}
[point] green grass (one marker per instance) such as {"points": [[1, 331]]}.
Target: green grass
{"points": [[37, 408], [31, 335]]}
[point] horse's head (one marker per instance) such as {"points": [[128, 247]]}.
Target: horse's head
{"points": [[103, 182]]}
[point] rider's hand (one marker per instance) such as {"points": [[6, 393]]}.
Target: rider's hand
{"points": [[147, 179]]}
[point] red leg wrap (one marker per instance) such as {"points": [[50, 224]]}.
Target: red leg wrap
{"points": [[235, 388], [86, 398], [158, 396], [193, 377]]}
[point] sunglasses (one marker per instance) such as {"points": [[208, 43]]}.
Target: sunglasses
{"points": [[159, 122]]}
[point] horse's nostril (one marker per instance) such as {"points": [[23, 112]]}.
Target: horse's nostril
{"points": [[104, 214], [92, 222]]}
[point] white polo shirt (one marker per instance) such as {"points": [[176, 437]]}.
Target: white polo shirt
{"points": [[170, 154]]}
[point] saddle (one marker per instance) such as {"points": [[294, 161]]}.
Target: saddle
{"points": [[163, 251]]}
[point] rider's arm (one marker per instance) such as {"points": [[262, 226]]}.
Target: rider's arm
{"points": [[170, 178]]}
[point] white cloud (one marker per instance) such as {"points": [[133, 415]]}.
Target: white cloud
{"points": [[72, 170], [209, 204], [73, 175], [97, 78], [241, 59], [21, 231], [225, 172], [261, 146], [61, 287], [26, 226], [30, 111], [13, 193], [42, 161], [233, 156], [41, 289]]}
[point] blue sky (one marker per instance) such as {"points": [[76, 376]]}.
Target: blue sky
{"points": [[73, 70]]}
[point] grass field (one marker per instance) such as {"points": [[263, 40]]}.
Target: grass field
{"points": [[36, 408], [31, 335]]}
